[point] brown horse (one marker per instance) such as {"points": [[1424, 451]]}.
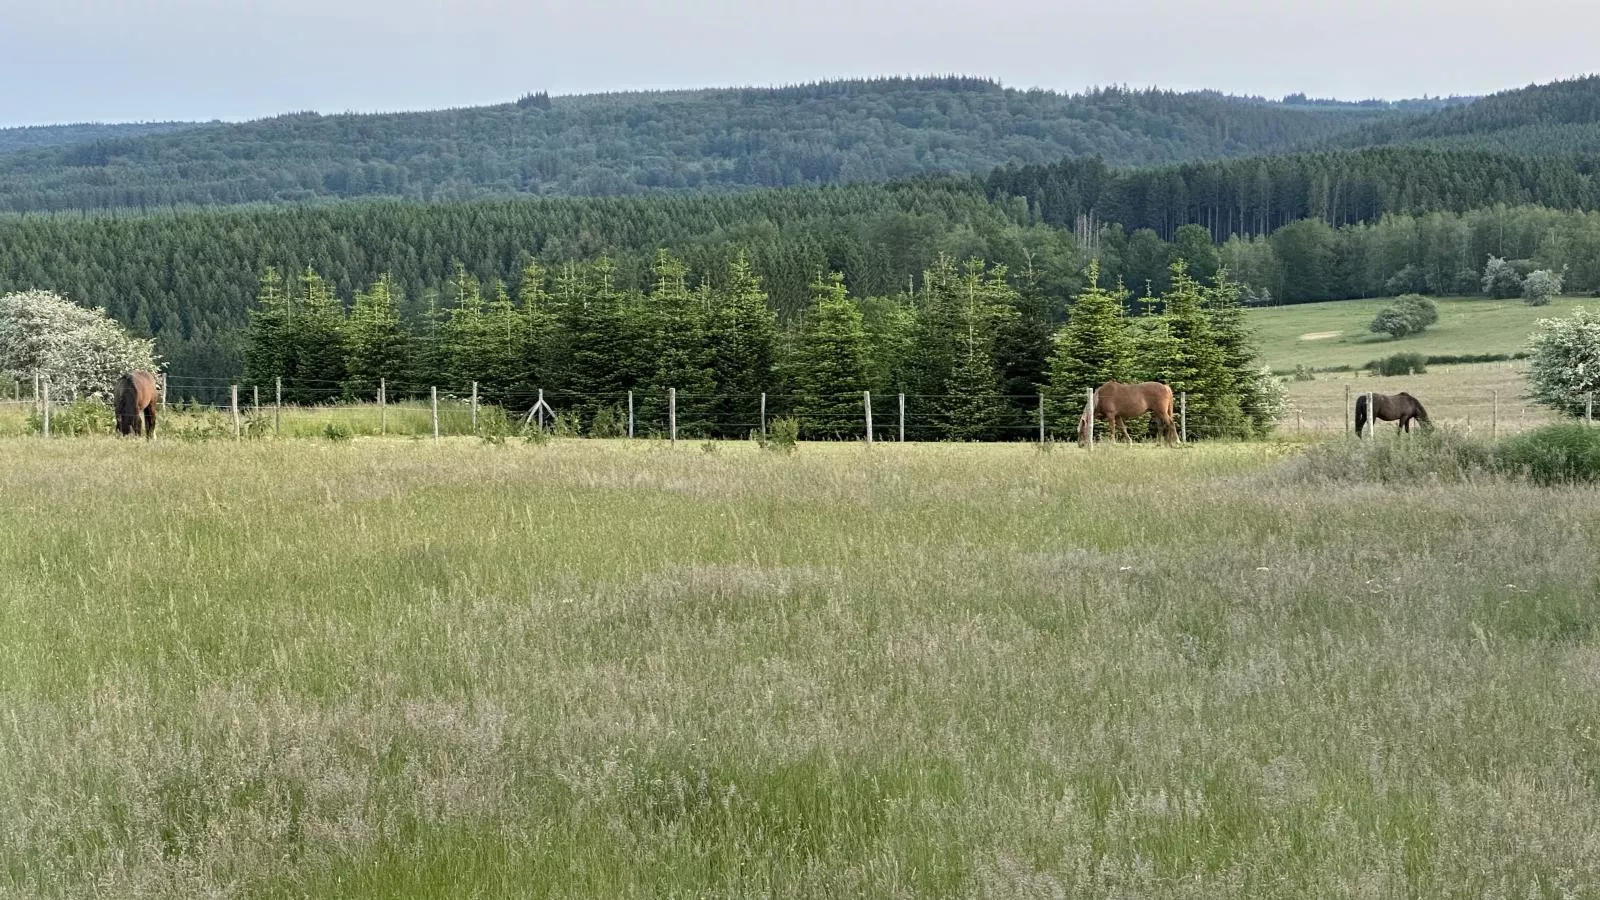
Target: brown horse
{"points": [[1401, 407], [1116, 403], [135, 395]]}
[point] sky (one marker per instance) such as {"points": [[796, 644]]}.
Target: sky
{"points": [[160, 60]]}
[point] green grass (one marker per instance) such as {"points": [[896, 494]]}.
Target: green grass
{"points": [[1323, 335], [395, 669]]}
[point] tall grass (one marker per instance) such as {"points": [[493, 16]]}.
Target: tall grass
{"points": [[387, 669]]}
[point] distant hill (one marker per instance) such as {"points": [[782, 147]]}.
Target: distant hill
{"points": [[1557, 119], [35, 137], [632, 143]]}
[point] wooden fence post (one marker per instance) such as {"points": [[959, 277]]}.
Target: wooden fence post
{"points": [[672, 414], [763, 415], [538, 409], [866, 402], [1088, 407], [233, 403], [1041, 419], [277, 408], [433, 401], [902, 418], [383, 406], [630, 414], [38, 406], [255, 400], [1183, 417], [474, 407], [163, 393], [46, 405], [1372, 417], [1588, 410]]}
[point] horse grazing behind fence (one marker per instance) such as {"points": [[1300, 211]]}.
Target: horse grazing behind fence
{"points": [[1401, 407], [1116, 403], [135, 397]]}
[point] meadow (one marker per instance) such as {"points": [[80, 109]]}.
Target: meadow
{"points": [[1327, 335], [386, 668]]}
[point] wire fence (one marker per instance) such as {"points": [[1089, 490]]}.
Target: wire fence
{"points": [[288, 408]]}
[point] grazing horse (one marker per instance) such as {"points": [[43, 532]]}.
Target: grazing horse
{"points": [[135, 395], [1117, 403], [1401, 407]]}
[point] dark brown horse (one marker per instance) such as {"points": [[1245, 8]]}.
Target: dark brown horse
{"points": [[135, 396], [1116, 403], [1401, 407]]}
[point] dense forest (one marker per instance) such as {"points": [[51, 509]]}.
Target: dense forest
{"points": [[616, 144]]}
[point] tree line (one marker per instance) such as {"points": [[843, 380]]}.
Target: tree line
{"points": [[1259, 195], [973, 347]]}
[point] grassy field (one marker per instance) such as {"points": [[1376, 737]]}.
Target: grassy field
{"points": [[1322, 335], [394, 669], [1482, 399]]}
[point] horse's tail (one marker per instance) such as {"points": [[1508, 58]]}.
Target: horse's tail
{"points": [[1361, 413]]}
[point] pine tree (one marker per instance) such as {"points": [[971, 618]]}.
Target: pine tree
{"points": [[1240, 356], [379, 347], [829, 364], [683, 359], [269, 348], [464, 337], [319, 344], [743, 337], [505, 338], [1198, 367], [542, 352], [1093, 348]]}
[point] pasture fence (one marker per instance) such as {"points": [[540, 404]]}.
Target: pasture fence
{"points": [[302, 408]]}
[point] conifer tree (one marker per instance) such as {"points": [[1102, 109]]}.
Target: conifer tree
{"points": [[682, 357], [829, 365], [269, 347], [319, 344], [464, 336], [379, 347], [1198, 367], [1240, 356], [1093, 348], [743, 337], [542, 352]]}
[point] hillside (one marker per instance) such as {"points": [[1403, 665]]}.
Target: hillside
{"points": [[705, 140], [1334, 334], [35, 137], [1560, 118]]}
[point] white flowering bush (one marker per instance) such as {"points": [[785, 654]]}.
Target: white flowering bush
{"points": [[79, 351], [1564, 361]]}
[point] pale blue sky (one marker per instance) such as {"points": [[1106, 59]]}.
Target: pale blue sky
{"points": [[143, 60]]}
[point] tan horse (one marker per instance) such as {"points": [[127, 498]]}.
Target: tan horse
{"points": [[1116, 403], [135, 396]]}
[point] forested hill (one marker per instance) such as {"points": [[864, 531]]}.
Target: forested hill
{"points": [[35, 137], [1557, 119], [704, 140]]}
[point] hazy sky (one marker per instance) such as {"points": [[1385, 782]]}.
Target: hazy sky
{"points": [[144, 60]]}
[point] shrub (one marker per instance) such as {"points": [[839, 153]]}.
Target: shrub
{"points": [[493, 424], [1541, 286], [1501, 280], [783, 435], [1564, 369], [337, 432], [1399, 364], [80, 351], [609, 422], [1408, 314], [1555, 454]]}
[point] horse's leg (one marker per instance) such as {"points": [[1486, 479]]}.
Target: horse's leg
{"points": [[150, 421]]}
